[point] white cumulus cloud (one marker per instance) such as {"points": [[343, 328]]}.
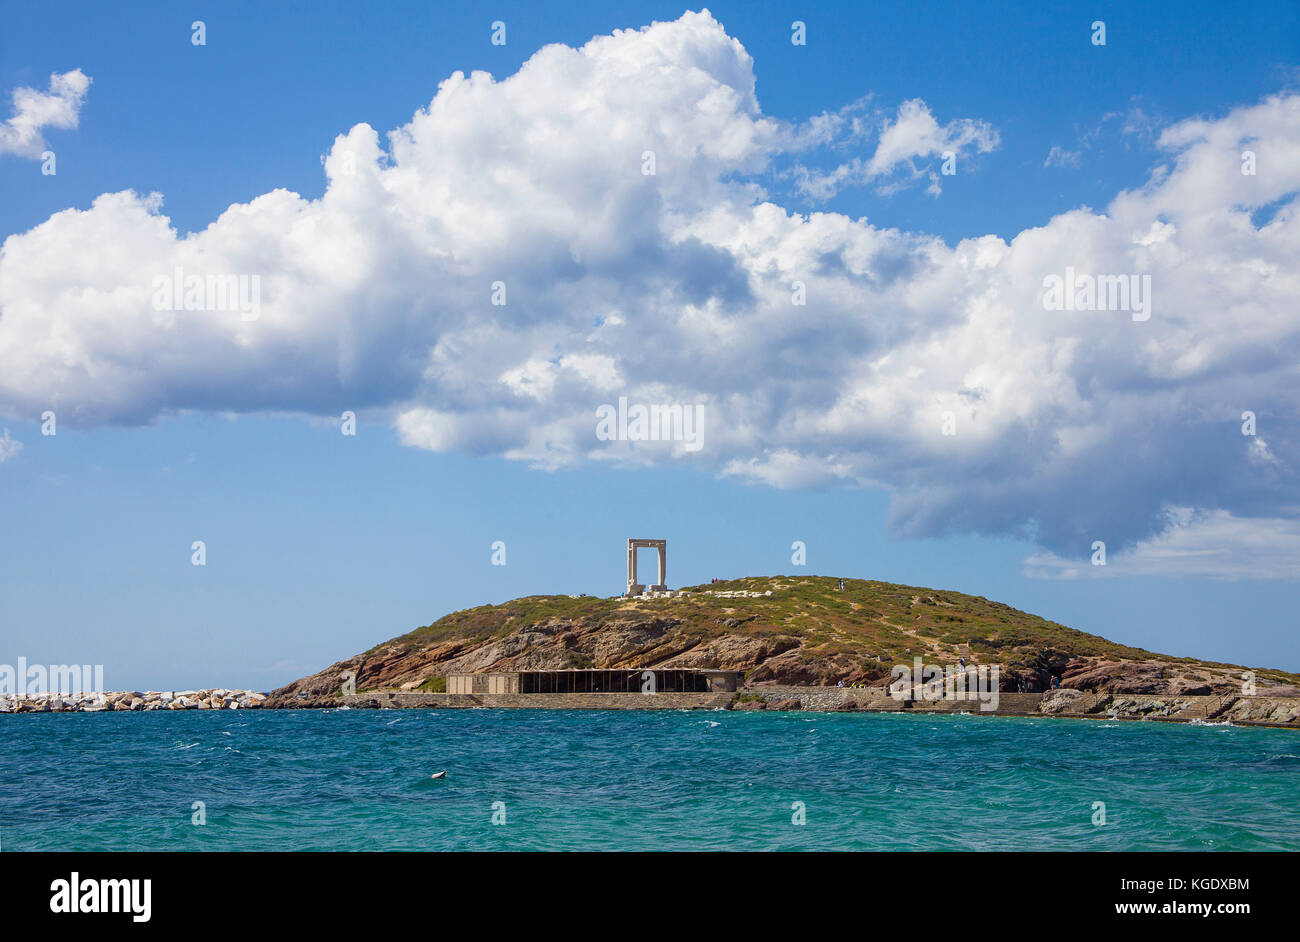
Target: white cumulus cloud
{"points": [[904, 142], [677, 286], [60, 107], [1212, 544]]}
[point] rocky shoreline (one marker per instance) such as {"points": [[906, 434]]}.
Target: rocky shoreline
{"points": [[1237, 710], [215, 698], [1259, 710], [1256, 710]]}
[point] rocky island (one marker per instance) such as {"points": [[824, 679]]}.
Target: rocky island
{"points": [[796, 640], [783, 643]]}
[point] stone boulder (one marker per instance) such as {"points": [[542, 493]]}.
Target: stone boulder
{"points": [[1063, 701], [1264, 710]]}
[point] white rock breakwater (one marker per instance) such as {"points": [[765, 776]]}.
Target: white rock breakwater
{"points": [[216, 698]]}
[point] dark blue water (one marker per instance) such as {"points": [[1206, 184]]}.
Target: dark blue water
{"points": [[359, 780]]}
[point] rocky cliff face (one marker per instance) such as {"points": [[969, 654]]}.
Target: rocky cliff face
{"points": [[779, 630]]}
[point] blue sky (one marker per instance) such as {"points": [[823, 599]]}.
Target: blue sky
{"points": [[320, 545]]}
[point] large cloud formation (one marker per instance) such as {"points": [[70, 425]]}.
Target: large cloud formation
{"points": [[678, 287]]}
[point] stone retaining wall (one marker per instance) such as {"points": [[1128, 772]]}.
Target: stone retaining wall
{"points": [[878, 700], [390, 700], [1017, 704], [810, 698]]}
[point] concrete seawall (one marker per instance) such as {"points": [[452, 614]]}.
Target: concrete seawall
{"points": [[1243, 711]]}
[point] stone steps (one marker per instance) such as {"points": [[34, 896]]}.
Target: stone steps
{"points": [[1205, 708]]}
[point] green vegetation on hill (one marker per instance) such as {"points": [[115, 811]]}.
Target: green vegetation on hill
{"points": [[879, 619]]}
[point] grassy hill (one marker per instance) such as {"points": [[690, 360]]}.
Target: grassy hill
{"points": [[777, 629]]}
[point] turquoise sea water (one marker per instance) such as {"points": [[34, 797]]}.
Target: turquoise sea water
{"points": [[628, 780]]}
